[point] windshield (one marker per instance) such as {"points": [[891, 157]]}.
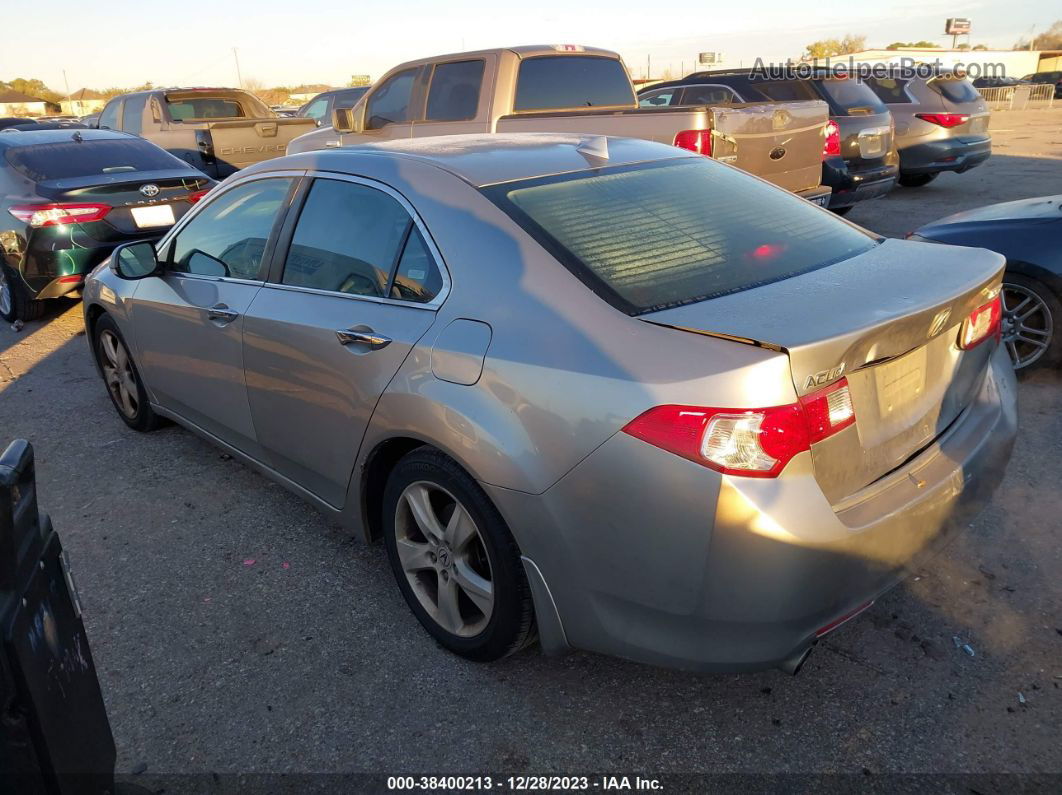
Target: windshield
{"points": [[70, 159], [663, 234]]}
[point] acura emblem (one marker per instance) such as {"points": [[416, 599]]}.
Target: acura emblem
{"points": [[150, 190]]}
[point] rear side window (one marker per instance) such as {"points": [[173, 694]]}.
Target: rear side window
{"points": [[133, 116], [889, 90], [109, 116], [706, 95], [653, 236], [956, 90], [785, 90], [70, 159], [454, 92], [553, 82], [185, 108], [390, 102], [851, 97]]}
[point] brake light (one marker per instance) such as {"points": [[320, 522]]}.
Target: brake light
{"points": [[982, 323], [945, 119], [699, 141], [832, 146], [38, 215], [750, 442], [197, 195]]}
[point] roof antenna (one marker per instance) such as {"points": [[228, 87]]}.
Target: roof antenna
{"points": [[596, 146]]}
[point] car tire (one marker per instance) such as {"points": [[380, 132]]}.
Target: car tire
{"points": [[1032, 319], [121, 377], [916, 180], [15, 301], [842, 210], [454, 559]]}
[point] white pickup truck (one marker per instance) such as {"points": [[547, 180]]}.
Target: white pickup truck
{"points": [[570, 88]]}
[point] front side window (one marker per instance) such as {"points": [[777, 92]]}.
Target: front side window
{"points": [[454, 92], [656, 99], [350, 238], [109, 116], [390, 102], [675, 232], [317, 109], [228, 237], [554, 82]]}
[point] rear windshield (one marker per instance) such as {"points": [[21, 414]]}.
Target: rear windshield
{"points": [[657, 235], [187, 108], [552, 82], [956, 90], [849, 96], [70, 159], [890, 90]]}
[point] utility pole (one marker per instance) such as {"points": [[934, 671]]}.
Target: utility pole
{"points": [[236, 57], [648, 67], [67, 84]]}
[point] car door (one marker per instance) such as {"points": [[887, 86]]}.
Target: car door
{"points": [[350, 295], [392, 107], [456, 102], [189, 320]]}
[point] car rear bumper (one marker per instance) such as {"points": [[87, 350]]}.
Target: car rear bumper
{"points": [[950, 154], [853, 185], [60, 268], [625, 558]]}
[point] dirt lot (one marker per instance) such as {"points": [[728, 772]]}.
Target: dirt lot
{"points": [[309, 660]]}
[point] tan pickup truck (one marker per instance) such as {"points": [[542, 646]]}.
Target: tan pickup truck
{"points": [[217, 130], [569, 88]]}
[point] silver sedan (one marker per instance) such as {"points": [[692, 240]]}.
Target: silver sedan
{"points": [[607, 394]]}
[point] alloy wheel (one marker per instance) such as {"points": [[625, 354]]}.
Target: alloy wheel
{"points": [[444, 558], [118, 373], [1027, 325], [7, 300]]}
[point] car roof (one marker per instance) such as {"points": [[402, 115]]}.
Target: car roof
{"points": [[31, 137], [484, 159]]}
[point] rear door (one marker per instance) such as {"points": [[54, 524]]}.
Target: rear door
{"points": [[351, 293], [456, 102], [189, 321]]}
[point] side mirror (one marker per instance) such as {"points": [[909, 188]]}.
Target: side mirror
{"points": [[135, 260], [343, 120]]}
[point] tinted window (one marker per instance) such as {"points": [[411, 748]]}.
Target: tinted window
{"points": [[571, 81], [65, 159], [454, 93], [706, 95], [785, 90], [317, 109], [851, 97], [347, 239], [348, 99], [417, 277], [889, 90], [109, 116], [205, 108], [390, 102], [657, 99], [133, 116], [660, 235], [228, 237], [956, 90]]}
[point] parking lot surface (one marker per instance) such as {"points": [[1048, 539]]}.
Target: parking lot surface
{"points": [[235, 629]]}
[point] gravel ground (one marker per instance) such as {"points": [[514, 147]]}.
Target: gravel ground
{"points": [[309, 660]]}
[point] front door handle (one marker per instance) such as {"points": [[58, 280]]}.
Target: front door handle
{"points": [[222, 312], [367, 337]]}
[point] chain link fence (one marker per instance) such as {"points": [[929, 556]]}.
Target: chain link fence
{"points": [[1022, 97]]}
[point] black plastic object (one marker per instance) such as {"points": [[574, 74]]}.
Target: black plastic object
{"points": [[54, 733]]}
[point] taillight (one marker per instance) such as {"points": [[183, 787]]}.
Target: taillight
{"points": [[982, 323], [832, 146], [38, 215], [945, 119], [699, 141], [197, 195], [754, 443]]}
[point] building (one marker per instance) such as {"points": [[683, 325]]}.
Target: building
{"points": [[977, 63], [83, 102], [13, 103]]}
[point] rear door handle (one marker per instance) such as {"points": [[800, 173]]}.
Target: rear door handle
{"points": [[222, 312], [367, 337]]}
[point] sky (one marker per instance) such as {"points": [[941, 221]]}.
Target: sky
{"points": [[128, 42]]}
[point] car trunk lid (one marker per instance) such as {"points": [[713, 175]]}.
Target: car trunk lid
{"points": [[888, 321]]}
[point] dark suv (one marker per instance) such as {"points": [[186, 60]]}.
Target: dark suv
{"points": [[859, 159]]}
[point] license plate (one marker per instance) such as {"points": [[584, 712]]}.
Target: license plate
{"points": [[872, 141], [159, 215], [978, 124]]}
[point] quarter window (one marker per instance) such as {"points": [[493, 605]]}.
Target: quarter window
{"points": [[390, 102], [228, 237], [454, 93], [348, 240]]}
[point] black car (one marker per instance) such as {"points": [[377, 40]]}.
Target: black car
{"points": [[320, 107], [1029, 234], [859, 159], [1041, 78], [67, 197]]}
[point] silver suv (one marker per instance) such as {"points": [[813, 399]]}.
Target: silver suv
{"points": [[941, 124]]}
